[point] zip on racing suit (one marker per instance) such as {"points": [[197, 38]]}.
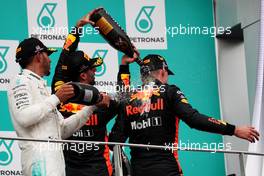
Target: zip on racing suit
{"points": [[94, 160], [34, 115], [157, 123]]}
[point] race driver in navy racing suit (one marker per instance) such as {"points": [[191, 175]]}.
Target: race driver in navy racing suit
{"points": [[77, 66], [151, 116]]}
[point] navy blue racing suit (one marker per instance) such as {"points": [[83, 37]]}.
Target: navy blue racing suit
{"points": [[83, 160], [156, 122]]}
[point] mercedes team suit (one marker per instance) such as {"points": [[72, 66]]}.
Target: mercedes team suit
{"points": [[94, 161], [159, 126], [34, 115]]}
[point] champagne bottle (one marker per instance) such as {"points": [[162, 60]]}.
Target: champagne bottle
{"points": [[85, 94], [113, 33]]}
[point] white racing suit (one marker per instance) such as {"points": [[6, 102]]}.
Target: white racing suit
{"points": [[34, 115]]}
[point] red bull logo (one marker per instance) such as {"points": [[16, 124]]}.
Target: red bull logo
{"points": [[132, 110], [71, 107], [145, 94], [92, 121]]}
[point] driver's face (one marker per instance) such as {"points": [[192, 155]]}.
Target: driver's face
{"points": [[88, 76]]}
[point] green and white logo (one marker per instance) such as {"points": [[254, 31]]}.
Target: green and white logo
{"points": [[48, 21], [101, 69], [45, 18], [8, 66], [6, 155], [143, 21], [3, 63], [146, 23]]}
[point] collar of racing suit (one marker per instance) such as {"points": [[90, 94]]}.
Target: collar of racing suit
{"points": [[156, 81], [33, 75]]}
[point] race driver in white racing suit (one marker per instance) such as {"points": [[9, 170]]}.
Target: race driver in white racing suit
{"points": [[34, 113]]}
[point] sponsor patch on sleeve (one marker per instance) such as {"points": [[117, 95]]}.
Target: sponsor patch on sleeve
{"points": [[125, 79], [215, 121], [58, 84], [21, 95], [183, 99], [69, 41]]}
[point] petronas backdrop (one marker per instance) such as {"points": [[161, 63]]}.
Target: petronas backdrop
{"points": [[152, 26]]}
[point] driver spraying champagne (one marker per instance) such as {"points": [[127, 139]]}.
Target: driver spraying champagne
{"points": [[152, 117], [76, 66]]}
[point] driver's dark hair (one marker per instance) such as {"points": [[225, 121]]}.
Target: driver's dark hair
{"points": [[25, 62]]}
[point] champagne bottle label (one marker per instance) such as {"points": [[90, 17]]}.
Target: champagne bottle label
{"points": [[104, 26], [88, 96]]}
